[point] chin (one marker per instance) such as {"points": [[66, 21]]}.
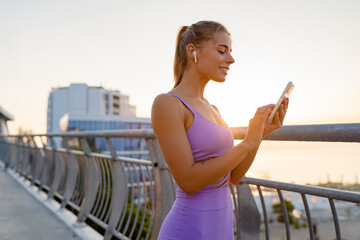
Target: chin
{"points": [[219, 80]]}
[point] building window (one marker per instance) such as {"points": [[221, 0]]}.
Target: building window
{"points": [[116, 105], [106, 104]]}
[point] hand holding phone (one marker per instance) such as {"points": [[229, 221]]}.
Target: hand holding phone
{"points": [[289, 87]]}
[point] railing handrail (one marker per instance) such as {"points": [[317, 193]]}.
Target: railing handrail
{"points": [[128, 133], [346, 132], [306, 189]]}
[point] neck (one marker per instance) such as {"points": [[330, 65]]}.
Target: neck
{"points": [[192, 84]]}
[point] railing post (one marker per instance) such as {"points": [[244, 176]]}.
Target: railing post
{"points": [[164, 186], [37, 162], [119, 194], [8, 147], [25, 159], [59, 166], [73, 169], [15, 156], [44, 172], [248, 217], [91, 183]]}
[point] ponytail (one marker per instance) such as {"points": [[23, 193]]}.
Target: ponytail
{"points": [[180, 59]]}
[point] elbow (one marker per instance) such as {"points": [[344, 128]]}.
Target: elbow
{"points": [[234, 180], [190, 193], [189, 188]]}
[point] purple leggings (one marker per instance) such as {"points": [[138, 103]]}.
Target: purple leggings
{"points": [[208, 214]]}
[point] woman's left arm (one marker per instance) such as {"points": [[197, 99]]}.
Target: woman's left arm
{"points": [[240, 170]]}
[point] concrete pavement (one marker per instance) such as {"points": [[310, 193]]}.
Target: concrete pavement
{"points": [[24, 217]]}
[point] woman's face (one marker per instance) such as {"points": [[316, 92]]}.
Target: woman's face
{"points": [[214, 57]]}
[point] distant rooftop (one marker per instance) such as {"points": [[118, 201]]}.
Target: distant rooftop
{"points": [[97, 87], [5, 115]]}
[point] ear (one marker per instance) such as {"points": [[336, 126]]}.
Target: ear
{"points": [[190, 49]]}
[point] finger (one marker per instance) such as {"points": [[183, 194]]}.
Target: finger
{"points": [[281, 118], [287, 103], [282, 115], [267, 113], [277, 120], [269, 106], [264, 109]]}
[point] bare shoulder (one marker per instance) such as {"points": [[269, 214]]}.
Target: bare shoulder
{"points": [[166, 108], [216, 109], [165, 102], [164, 98]]}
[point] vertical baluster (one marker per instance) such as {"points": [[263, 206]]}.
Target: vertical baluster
{"points": [[100, 193], [33, 157], [144, 203], [10, 148], [110, 170], [37, 159], [131, 186], [58, 171], [335, 218], [119, 192], [28, 158], [40, 164], [25, 160], [137, 184], [108, 186], [105, 184], [81, 180], [233, 191], [152, 198], [286, 217], [308, 216], [91, 183], [264, 212], [20, 157], [73, 169], [46, 168]]}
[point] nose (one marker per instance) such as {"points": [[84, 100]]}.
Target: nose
{"points": [[230, 59]]}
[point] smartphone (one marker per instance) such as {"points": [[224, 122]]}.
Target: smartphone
{"points": [[289, 87]]}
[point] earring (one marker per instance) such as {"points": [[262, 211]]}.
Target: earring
{"points": [[194, 52]]}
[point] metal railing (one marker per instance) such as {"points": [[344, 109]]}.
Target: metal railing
{"points": [[128, 198]]}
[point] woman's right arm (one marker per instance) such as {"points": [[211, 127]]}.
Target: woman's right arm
{"points": [[168, 122]]}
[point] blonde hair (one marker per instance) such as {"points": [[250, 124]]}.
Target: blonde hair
{"points": [[197, 34]]}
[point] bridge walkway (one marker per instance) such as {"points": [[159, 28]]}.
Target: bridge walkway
{"points": [[24, 217]]}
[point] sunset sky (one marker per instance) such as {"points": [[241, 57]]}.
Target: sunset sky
{"points": [[129, 46]]}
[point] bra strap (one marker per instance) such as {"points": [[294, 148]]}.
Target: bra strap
{"points": [[185, 103]]}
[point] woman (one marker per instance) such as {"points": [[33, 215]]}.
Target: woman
{"points": [[196, 142]]}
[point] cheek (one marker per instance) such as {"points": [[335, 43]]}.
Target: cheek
{"points": [[208, 68]]}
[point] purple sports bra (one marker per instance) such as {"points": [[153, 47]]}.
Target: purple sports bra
{"points": [[207, 139]]}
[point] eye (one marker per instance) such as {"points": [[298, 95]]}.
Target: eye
{"points": [[221, 52]]}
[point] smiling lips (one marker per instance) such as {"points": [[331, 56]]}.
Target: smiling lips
{"points": [[224, 69]]}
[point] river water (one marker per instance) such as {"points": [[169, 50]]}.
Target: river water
{"points": [[307, 162]]}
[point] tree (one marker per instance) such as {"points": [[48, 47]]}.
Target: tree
{"points": [[289, 208]]}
